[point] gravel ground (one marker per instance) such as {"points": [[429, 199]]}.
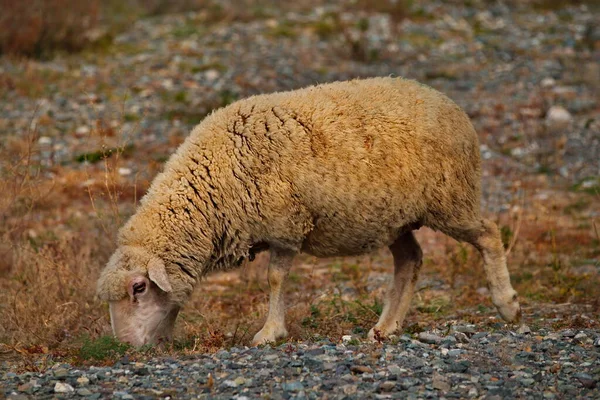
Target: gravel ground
{"points": [[463, 362], [529, 79]]}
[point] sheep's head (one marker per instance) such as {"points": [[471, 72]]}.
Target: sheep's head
{"points": [[137, 287]]}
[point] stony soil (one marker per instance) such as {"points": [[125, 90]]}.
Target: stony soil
{"points": [[463, 362]]}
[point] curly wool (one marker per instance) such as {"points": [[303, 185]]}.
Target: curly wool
{"points": [[332, 170]]}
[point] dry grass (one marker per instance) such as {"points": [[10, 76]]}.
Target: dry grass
{"points": [[36, 26], [40, 28]]}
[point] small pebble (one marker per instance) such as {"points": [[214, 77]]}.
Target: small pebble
{"points": [[440, 384], [292, 386], [84, 392], [548, 82], [26, 387], [464, 328], [44, 140], [83, 380], [361, 369], [60, 373], [523, 329], [82, 131], [568, 333], [460, 366], [455, 352], [429, 338], [394, 369], [461, 337], [557, 117], [230, 383], [62, 387], [580, 337]]}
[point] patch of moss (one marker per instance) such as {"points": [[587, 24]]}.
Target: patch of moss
{"points": [[590, 185], [284, 29], [103, 348]]}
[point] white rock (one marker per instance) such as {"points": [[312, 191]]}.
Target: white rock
{"points": [[211, 74], [590, 183], [61, 387], [83, 380], [523, 329], [44, 140], [240, 380], [167, 84], [82, 130], [548, 82], [346, 338], [394, 369], [88, 183], [125, 171], [461, 337], [558, 116], [430, 338], [518, 152]]}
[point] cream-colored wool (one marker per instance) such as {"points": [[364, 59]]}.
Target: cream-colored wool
{"points": [[331, 170]]}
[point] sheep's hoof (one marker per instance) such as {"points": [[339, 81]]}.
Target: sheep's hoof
{"points": [[268, 335], [377, 335]]}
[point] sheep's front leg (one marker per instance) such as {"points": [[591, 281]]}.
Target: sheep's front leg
{"points": [[407, 263], [274, 328]]}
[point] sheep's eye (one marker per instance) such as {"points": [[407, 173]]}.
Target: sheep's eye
{"points": [[139, 287]]}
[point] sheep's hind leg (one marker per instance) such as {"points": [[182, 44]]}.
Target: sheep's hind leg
{"points": [[274, 328], [407, 263], [486, 238]]}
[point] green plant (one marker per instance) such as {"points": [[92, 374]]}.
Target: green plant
{"points": [[506, 235], [284, 29], [312, 321], [100, 155], [102, 348], [437, 306]]}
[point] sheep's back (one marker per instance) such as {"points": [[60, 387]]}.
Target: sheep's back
{"points": [[343, 168]]}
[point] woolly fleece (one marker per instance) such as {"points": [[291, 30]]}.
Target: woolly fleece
{"points": [[331, 170]]}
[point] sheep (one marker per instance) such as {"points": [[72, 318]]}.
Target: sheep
{"points": [[336, 169]]}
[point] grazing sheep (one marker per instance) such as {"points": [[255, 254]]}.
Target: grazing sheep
{"points": [[331, 170]]}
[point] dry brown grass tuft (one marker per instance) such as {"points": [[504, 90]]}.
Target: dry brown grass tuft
{"points": [[53, 247], [34, 27]]}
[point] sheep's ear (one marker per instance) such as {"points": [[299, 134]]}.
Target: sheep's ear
{"points": [[158, 274]]}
